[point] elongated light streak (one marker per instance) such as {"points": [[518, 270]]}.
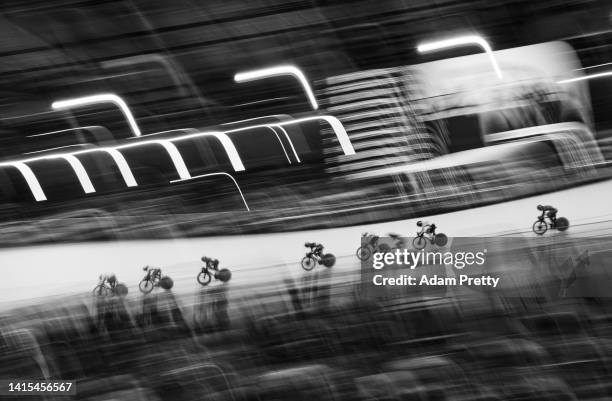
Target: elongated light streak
{"points": [[173, 153], [263, 73], [63, 130], [100, 99], [30, 178], [586, 77], [80, 172], [297, 158], [336, 125], [122, 165], [224, 174], [268, 127], [75, 164], [462, 41], [226, 142]]}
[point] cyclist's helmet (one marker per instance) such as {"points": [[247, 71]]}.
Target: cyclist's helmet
{"points": [[419, 223], [112, 278], [540, 207], [145, 268]]}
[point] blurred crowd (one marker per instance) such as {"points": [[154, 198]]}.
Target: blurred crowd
{"points": [[312, 341]]}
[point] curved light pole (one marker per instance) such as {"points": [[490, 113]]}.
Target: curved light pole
{"points": [[273, 132], [220, 173], [280, 70], [273, 126], [122, 165], [79, 170], [462, 41], [336, 126], [100, 99], [225, 141], [173, 153], [74, 163], [30, 178]]}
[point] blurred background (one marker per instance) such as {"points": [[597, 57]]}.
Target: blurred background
{"points": [[174, 66], [153, 132]]}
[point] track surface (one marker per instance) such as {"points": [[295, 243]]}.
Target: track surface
{"points": [[266, 260]]}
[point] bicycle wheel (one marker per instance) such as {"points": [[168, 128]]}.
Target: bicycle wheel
{"points": [[419, 242], [204, 277], [120, 290], [328, 260], [364, 253], [145, 286], [166, 283], [441, 239], [540, 227], [100, 291], [308, 263], [224, 275], [562, 224]]}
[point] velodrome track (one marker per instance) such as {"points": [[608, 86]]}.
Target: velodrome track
{"points": [[33, 274]]}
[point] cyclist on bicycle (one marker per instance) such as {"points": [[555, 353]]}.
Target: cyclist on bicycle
{"points": [[316, 249], [154, 272], [549, 211], [371, 238], [109, 278], [397, 240], [426, 227], [211, 263]]}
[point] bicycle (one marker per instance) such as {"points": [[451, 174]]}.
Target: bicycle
{"points": [[154, 279], [398, 242], [205, 277], [316, 256], [109, 287], [541, 226], [420, 241], [364, 252]]}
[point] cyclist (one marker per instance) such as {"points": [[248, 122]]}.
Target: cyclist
{"points": [[109, 278], [211, 263], [426, 227], [316, 249], [154, 272], [549, 211], [397, 239], [371, 238]]}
